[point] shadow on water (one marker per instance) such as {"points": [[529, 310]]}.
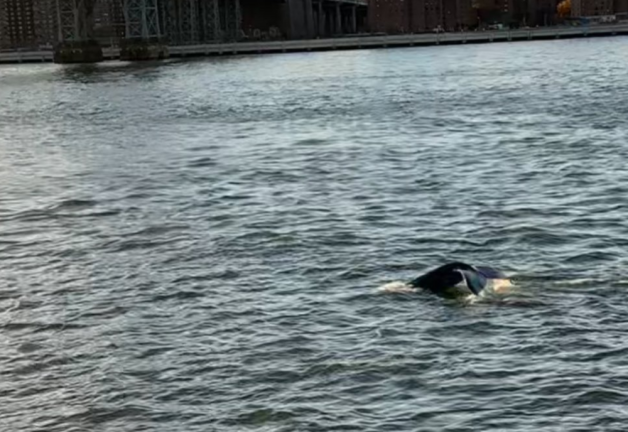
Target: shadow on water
{"points": [[96, 72], [149, 70]]}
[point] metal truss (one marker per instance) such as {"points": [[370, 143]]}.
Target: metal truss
{"points": [[181, 21], [210, 18], [142, 19], [4, 23], [197, 21], [233, 20], [188, 21], [169, 20], [75, 20]]}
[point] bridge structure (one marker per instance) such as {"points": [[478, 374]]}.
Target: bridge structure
{"points": [[151, 26], [302, 19]]}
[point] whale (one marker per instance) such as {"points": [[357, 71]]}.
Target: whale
{"points": [[454, 279], [459, 278]]}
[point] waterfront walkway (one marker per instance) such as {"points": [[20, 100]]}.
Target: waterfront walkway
{"points": [[354, 42]]}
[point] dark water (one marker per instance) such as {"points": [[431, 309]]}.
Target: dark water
{"points": [[196, 246]]}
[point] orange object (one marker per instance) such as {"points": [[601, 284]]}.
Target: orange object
{"points": [[564, 8]]}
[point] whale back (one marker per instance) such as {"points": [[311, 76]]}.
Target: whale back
{"points": [[442, 278], [458, 275]]}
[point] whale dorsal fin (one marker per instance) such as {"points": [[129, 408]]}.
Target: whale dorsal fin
{"points": [[475, 281]]}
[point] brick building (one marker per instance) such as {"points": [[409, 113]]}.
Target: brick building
{"points": [[540, 12], [46, 22], [505, 12], [418, 16], [597, 7], [389, 16], [17, 24]]}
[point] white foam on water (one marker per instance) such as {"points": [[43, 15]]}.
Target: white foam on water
{"points": [[396, 287], [493, 288], [499, 286], [496, 286], [472, 298], [581, 281]]}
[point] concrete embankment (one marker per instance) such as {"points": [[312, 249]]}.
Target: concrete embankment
{"points": [[345, 43]]}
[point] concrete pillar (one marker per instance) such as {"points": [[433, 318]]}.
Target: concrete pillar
{"points": [[329, 22], [78, 52], [287, 19], [338, 28], [142, 50], [299, 19], [321, 19], [294, 26], [343, 26], [354, 19], [309, 19]]}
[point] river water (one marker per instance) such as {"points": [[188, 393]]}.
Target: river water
{"points": [[196, 246]]}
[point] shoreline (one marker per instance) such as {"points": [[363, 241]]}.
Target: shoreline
{"points": [[350, 43]]}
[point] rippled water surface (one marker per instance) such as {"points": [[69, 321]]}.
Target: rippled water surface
{"points": [[197, 246]]}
